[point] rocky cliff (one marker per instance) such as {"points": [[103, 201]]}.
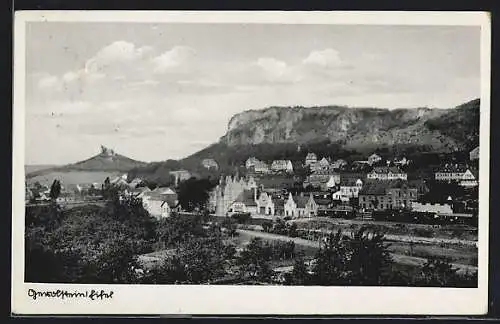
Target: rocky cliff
{"points": [[443, 130]]}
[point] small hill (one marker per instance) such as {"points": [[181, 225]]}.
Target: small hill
{"points": [[106, 161]]}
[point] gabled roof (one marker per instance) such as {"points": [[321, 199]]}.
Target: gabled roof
{"points": [[323, 201], [163, 190], [171, 200], [386, 169], [378, 188], [349, 182], [452, 168], [246, 197], [301, 201]]}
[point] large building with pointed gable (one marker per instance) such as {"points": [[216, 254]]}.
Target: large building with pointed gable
{"points": [[228, 191]]}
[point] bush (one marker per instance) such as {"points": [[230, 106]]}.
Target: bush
{"points": [[241, 218]]}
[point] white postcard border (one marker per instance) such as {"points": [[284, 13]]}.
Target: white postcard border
{"points": [[204, 299]]}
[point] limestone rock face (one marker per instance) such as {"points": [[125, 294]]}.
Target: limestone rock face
{"points": [[440, 129]]}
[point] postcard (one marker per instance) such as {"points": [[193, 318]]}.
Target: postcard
{"points": [[250, 163]]}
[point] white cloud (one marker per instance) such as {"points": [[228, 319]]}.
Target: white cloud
{"points": [[173, 58], [325, 58], [49, 82], [116, 53], [273, 67]]}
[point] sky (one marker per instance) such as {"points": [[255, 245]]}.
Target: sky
{"points": [[164, 91]]}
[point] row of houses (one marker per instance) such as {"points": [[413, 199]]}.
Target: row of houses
{"points": [[262, 167], [463, 175]]}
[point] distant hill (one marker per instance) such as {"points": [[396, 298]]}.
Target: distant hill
{"points": [[106, 161]]}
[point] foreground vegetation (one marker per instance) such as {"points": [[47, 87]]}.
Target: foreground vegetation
{"points": [[102, 245]]}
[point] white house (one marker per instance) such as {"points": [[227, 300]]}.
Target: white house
{"points": [[332, 181], [265, 204], [322, 164], [374, 158], [282, 165], [452, 173], [159, 205], [432, 208], [311, 158], [301, 206], [469, 179], [339, 164], [250, 162], [245, 202], [387, 173], [349, 188], [210, 164]]}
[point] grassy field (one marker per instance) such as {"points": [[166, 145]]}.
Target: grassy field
{"points": [[421, 230], [73, 177]]}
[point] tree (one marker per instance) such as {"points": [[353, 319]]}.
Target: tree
{"points": [[300, 275], [55, 189], [267, 226], [332, 259], [254, 261], [369, 257], [193, 193], [438, 272]]}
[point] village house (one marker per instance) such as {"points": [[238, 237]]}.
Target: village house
{"points": [[401, 162], [210, 164], [321, 165], [431, 208], [301, 206], [474, 154], [311, 159], [228, 190], [246, 202], [338, 197], [324, 180], [452, 173], [420, 185], [383, 195], [261, 167], [265, 204], [160, 203], [387, 173], [339, 164], [250, 162], [136, 192], [282, 166], [469, 179], [349, 188], [135, 182], [374, 158]]}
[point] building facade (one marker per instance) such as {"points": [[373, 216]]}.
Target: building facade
{"points": [[282, 166], [301, 206], [210, 164], [387, 173], [311, 158], [382, 195]]}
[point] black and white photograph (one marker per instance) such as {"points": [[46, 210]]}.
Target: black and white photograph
{"points": [[287, 154]]}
